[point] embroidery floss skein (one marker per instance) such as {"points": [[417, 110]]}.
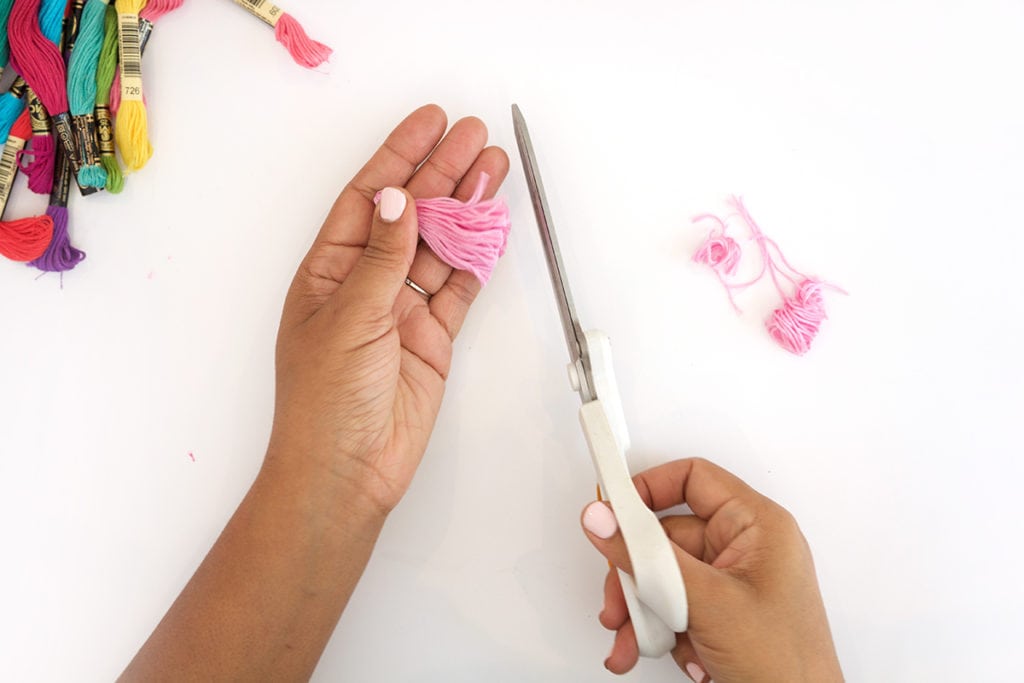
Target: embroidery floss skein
{"points": [[26, 238], [131, 127], [469, 236], [60, 255], [39, 169], [149, 15], [105, 71], [12, 103], [37, 161], [41, 64], [5, 12], [82, 91], [303, 49]]}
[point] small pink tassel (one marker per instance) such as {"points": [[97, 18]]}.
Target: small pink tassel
{"points": [[303, 49], [468, 236], [39, 170], [794, 325]]}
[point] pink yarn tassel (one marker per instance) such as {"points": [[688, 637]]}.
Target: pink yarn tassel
{"points": [[303, 49], [468, 236], [60, 256], [37, 163], [795, 324]]}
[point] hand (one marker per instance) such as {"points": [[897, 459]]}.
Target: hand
{"points": [[362, 358], [756, 613]]}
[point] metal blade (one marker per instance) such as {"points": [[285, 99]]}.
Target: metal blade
{"points": [[563, 296]]}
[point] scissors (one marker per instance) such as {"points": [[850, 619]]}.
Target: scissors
{"points": [[655, 594]]}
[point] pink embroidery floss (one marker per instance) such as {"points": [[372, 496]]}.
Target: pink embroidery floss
{"points": [[42, 66], [795, 324], [719, 252], [468, 236], [303, 49]]}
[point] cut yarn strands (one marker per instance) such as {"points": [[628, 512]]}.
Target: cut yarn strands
{"points": [[81, 87], [149, 15], [468, 236], [105, 70], [131, 126], [24, 239], [287, 30], [795, 324], [34, 29]]}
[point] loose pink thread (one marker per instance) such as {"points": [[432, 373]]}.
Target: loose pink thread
{"points": [[468, 236], [794, 324]]}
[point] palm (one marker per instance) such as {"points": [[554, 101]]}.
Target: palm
{"points": [[387, 372]]}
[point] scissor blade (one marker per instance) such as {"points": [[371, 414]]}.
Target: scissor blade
{"points": [[563, 296]]}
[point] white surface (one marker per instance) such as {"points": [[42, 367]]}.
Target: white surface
{"points": [[880, 143]]}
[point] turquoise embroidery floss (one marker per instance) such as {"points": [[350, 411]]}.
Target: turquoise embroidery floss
{"points": [[82, 91]]}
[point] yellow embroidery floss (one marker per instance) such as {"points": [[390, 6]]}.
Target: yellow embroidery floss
{"points": [[131, 128]]}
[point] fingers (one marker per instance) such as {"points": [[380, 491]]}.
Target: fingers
{"points": [[615, 613], [452, 300], [391, 166], [625, 652], [441, 176], [380, 272], [704, 486]]}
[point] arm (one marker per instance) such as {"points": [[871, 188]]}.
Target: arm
{"points": [[361, 365]]}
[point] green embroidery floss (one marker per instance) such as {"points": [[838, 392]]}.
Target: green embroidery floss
{"points": [[105, 71]]}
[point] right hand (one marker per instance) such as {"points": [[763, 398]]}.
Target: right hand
{"points": [[755, 610]]}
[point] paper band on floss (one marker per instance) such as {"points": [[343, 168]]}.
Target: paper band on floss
{"points": [[267, 12], [131, 57]]}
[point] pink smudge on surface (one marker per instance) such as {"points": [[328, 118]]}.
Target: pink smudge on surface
{"points": [[150, 276], [191, 456]]}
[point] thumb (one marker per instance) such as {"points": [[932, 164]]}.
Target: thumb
{"points": [[380, 272], [602, 529]]}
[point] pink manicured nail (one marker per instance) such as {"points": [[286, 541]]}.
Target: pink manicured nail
{"points": [[695, 673], [392, 204], [599, 520]]}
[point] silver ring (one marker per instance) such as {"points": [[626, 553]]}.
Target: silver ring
{"points": [[419, 289]]}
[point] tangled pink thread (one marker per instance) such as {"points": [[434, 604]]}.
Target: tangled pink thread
{"points": [[793, 325], [719, 252]]}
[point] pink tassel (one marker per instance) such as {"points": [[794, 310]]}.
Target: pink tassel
{"points": [[60, 255], [468, 236], [39, 170], [303, 49], [794, 325]]}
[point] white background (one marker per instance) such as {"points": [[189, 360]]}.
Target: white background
{"points": [[880, 143]]}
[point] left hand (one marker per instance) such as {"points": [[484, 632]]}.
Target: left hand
{"points": [[361, 358]]}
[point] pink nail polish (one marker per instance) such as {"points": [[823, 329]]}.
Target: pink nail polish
{"points": [[695, 673], [599, 520], [392, 204]]}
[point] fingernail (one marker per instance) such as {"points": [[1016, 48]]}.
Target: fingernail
{"points": [[392, 204], [695, 673], [599, 520]]}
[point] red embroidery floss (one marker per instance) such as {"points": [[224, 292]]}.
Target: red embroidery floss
{"points": [[27, 238]]}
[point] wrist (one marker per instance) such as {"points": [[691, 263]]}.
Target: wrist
{"points": [[335, 498]]}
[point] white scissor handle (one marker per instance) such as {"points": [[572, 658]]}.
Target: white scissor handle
{"points": [[655, 594]]}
